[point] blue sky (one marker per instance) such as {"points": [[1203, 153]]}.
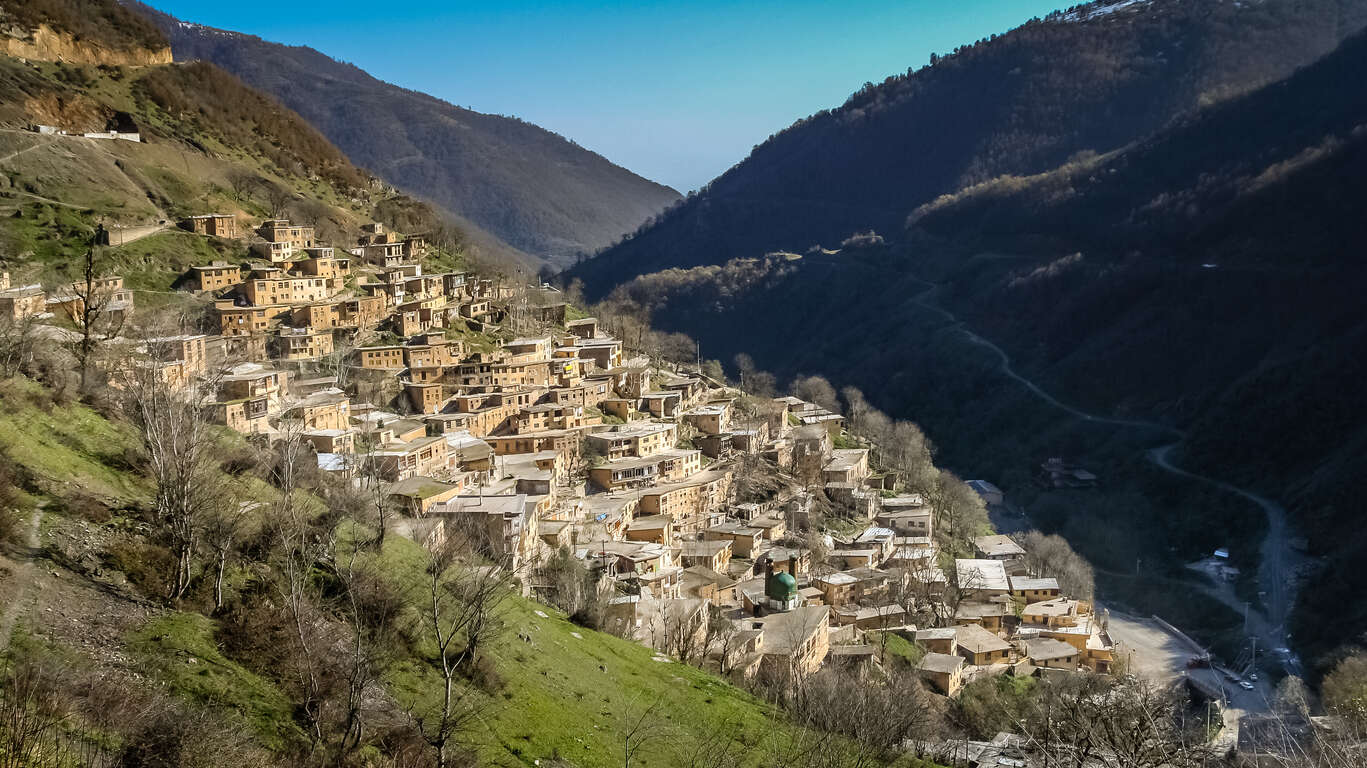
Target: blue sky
{"points": [[675, 91]]}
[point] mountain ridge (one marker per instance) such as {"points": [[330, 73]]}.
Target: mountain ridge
{"points": [[1203, 278], [533, 189], [1022, 102]]}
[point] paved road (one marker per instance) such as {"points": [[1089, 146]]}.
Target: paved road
{"points": [[1277, 556], [1159, 656], [1278, 559]]}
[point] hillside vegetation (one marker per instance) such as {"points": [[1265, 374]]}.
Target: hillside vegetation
{"points": [[564, 692], [527, 186], [1019, 103], [1205, 279], [211, 144]]}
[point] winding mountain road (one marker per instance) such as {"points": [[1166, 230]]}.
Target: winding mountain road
{"points": [[1277, 556]]}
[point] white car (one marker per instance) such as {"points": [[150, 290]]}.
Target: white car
{"points": [[1247, 686]]}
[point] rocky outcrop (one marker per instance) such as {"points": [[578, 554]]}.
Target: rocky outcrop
{"points": [[70, 112], [44, 44]]}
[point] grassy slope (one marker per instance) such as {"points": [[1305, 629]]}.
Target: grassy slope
{"points": [[54, 190], [569, 692], [67, 448]]}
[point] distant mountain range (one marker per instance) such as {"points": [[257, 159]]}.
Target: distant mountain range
{"points": [[1207, 276], [531, 188], [1090, 80]]}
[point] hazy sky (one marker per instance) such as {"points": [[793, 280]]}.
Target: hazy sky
{"points": [[675, 91]]}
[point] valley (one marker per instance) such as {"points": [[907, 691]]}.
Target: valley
{"points": [[1006, 414]]}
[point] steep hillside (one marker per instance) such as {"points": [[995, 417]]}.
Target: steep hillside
{"points": [[97, 666], [138, 677], [528, 186], [1206, 279], [210, 143], [81, 33], [1019, 103]]}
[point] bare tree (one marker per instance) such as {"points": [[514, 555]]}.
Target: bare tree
{"points": [[680, 629], [1052, 556], [1088, 720], [816, 389], [225, 523], [177, 438], [91, 307], [278, 197], [372, 608], [460, 614], [300, 547], [959, 512], [241, 182], [17, 342], [641, 729]]}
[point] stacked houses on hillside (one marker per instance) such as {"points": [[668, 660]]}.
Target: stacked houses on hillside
{"points": [[536, 428]]}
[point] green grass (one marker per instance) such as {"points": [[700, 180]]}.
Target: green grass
{"points": [[571, 695], [67, 447], [48, 237], [845, 440], [897, 647], [156, 262], [179, 650]]}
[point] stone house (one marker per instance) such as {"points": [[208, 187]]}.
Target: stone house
{"points": [[943, 671], [213, 224], [216, 276]]}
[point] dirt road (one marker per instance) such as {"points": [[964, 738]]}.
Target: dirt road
{"points": [[23, 582]]}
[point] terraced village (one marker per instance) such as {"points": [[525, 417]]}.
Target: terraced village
{"points": [[761, 537]]}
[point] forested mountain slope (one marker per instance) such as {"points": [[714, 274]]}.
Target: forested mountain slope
{"points": [[1019, 103], [1208, 278], [532, 188]]}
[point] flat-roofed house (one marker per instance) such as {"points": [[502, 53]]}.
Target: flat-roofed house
{"points": [[998, 547], [981, 579], [216, 276], [249, 381], [287, 290], [213, 224], [847, 465], [282, 231], [1034, 590], [325, 409], [712, 553], [744, 540], [981, 647], [187, 349], [944, 671], [399, 461], [665, 466], [939, 639], [382, 358], [1049, 653], [1059, 612], [795, 642], [709, 419], [303, 344], [23, 302], [656, 528], [246, 321], [634, 440]]}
